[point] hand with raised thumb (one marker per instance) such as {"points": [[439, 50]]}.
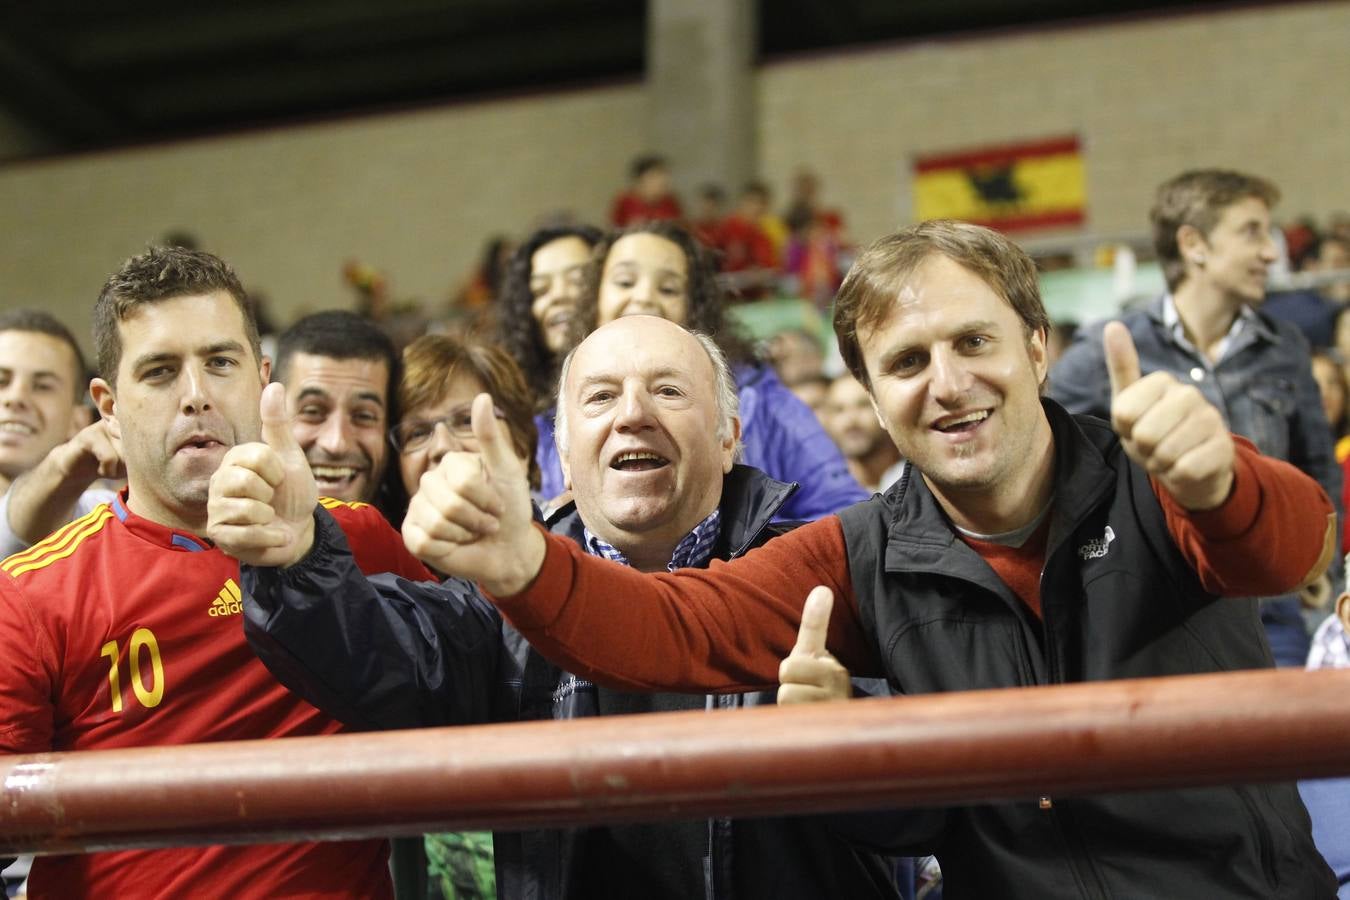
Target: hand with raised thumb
{"points": [[260, 509], [810, 674], [1167, 427], [472, 515]]}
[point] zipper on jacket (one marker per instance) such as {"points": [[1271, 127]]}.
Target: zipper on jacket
{"points": [[1052, 672], [1264, 842], [1080, 859], [717, 869]]}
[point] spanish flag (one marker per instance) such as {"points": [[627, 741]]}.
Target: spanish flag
{"points": [[1011, 187]]}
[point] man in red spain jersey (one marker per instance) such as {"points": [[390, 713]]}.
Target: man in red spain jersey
{"points": [[121, 629]]}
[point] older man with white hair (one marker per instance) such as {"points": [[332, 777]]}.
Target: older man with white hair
{"points": [[648, 428]]}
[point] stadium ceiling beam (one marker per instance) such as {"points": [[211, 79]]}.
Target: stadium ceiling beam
{"points": [[50, 100]]}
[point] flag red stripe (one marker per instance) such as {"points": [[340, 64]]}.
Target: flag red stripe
{"points": [[1033, 220], [991, 155]]}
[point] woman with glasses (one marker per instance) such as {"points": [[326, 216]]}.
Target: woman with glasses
{"points": [[441, 376]]}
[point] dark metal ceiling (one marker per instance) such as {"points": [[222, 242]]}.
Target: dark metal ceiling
{"points": [[83, 74]]}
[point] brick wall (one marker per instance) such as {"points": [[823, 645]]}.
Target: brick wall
{"points": [[414, 194], [1266, 89]]}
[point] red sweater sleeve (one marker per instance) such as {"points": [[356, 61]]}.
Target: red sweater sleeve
{"points": [[724, 628], [1274, 533]]}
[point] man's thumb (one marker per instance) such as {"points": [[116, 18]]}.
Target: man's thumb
{"points": [[815, 621], [276, 425], [494, 443], [1122, 359]]}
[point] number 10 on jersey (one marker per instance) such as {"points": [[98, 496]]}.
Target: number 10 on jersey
{"points": [[142, 644]]}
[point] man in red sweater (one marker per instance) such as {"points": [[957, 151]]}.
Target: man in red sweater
{"points": [[1022, 546]]}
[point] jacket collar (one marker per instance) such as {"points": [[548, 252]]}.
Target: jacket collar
{"points": [[1256, 324], [750, 499]]}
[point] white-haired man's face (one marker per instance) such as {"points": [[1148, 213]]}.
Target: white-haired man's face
{"points": [[642, 451]]}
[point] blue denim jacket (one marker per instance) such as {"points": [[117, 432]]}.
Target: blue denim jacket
{"points": [[1262, 385]]}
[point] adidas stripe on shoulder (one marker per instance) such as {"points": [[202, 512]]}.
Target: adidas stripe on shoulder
{"points": [[58, 545], [333, 503]]}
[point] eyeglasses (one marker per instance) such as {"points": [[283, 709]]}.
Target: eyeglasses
{"points": [[412, 435]]}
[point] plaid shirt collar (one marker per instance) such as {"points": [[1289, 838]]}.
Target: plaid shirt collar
{"points": [[1330, 646], [693, 551]]}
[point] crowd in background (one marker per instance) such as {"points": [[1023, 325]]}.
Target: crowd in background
{"points": [[800, 249]]}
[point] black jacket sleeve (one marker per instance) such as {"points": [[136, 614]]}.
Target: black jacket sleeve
{"points": [[376, 652]]}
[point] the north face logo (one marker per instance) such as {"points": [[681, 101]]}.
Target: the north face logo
{"points": [[1096, 549]]}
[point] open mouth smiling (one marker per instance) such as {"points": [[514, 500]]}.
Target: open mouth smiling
{"points": [[962, 423], [639, 461]]}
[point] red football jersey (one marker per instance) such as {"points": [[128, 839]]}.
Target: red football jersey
{"points": [[119, 632]]}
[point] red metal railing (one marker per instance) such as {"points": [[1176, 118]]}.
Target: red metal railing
{"points": [[927, 750]]}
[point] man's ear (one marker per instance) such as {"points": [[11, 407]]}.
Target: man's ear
{"points": [[1343, 609], [1038, 344], [1192, 245], [566, 469], [105, 401], [265, 370], [729, 445]]}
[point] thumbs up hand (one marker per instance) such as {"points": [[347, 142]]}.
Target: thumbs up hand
{"points": [[1167, 427], [472, 515], [809, 674], [260, 509]]}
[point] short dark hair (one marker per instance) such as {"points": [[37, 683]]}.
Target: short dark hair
{"points": [[342, 334], [39, 322], [644, 164], [1198, 198], [337, 334], [869, 291], [517, 332], [162, 273]]}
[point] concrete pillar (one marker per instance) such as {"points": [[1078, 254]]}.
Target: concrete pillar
{"points": [[701, 90]]}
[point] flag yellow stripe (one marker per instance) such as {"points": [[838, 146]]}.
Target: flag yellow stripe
{"points": [[1046, 183]]}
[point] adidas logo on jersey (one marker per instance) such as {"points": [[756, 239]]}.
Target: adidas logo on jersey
{"points": [[227, 602]]}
